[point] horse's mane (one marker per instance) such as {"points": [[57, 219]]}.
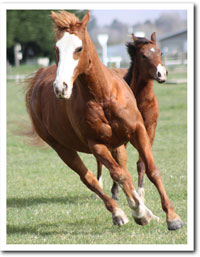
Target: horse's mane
{"points": [[65, 21], [131, 48]]}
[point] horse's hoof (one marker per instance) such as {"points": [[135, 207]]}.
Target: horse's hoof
{"points": [[141, 221], [120, 218], [144, 220], [175, 224], [144, 216], [119, 221]]}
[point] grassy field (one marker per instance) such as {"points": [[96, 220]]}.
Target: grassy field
{"points": [[48, 204]]}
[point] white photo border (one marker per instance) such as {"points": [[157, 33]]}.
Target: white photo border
{"points": [[189, 7]]}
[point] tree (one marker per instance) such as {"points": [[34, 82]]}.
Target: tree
{"points": [[33, 29]]}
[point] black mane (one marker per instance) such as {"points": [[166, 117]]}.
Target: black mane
{"points": [[131, 48]]}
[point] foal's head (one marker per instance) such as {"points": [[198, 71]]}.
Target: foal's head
{"points": [[147, 56], [70, 51]]}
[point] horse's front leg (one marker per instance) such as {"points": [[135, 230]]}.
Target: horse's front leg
{"points": [[141, 213], [72, 159], [120, 157]]}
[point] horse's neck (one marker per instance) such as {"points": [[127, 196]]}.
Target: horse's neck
{"points": [[129, 74], [141, 87], [95, 77]]}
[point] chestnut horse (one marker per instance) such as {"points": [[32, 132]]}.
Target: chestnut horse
{"points": [[79, 105], [146, 66]]}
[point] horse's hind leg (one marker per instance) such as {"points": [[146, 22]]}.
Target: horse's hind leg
{"points": [[141, 141], [72, 159], [123, 178], [115, 191], [99, 176]]}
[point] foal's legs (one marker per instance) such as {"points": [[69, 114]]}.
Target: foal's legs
{"points": [[120, 175], [141, 165], [141, 173], [72, 159], [141, 141]]}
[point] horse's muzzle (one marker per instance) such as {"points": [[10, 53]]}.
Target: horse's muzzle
{"points": [[160, 80], [61, 91], [161, 74]]}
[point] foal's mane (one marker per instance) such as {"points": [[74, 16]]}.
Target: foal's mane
{"points": [[131, 48]]}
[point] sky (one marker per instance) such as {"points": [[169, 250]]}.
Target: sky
{"points": [[130, 16]]}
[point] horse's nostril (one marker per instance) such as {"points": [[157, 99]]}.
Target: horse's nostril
{"points": [[63, 91], [159, 74], [65, 84], [56, 90]]}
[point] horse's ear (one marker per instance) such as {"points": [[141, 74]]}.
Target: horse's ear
{"points": [[134, 37], [85, 19], [153, 37], [53, 15]]}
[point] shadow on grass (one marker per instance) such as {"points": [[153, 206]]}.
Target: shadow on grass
{"points": [[25, 202], [71, 228], [50, 229], [13, 229]]}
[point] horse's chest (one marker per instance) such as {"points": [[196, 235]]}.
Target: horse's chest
{"points": [[99, 125], [96, 123]]}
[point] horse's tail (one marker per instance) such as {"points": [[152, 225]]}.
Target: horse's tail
{"points": [[30, 132]]}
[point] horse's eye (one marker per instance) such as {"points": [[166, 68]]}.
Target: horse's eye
{"points": [[79, 49]]}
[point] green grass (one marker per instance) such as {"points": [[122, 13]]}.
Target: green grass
{"points": [[48, 204]]}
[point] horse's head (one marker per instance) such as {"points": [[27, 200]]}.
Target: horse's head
{"points": [[148, 57], [70, 51]]}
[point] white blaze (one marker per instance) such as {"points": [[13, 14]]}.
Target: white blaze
{"points": [[67, 64]]}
